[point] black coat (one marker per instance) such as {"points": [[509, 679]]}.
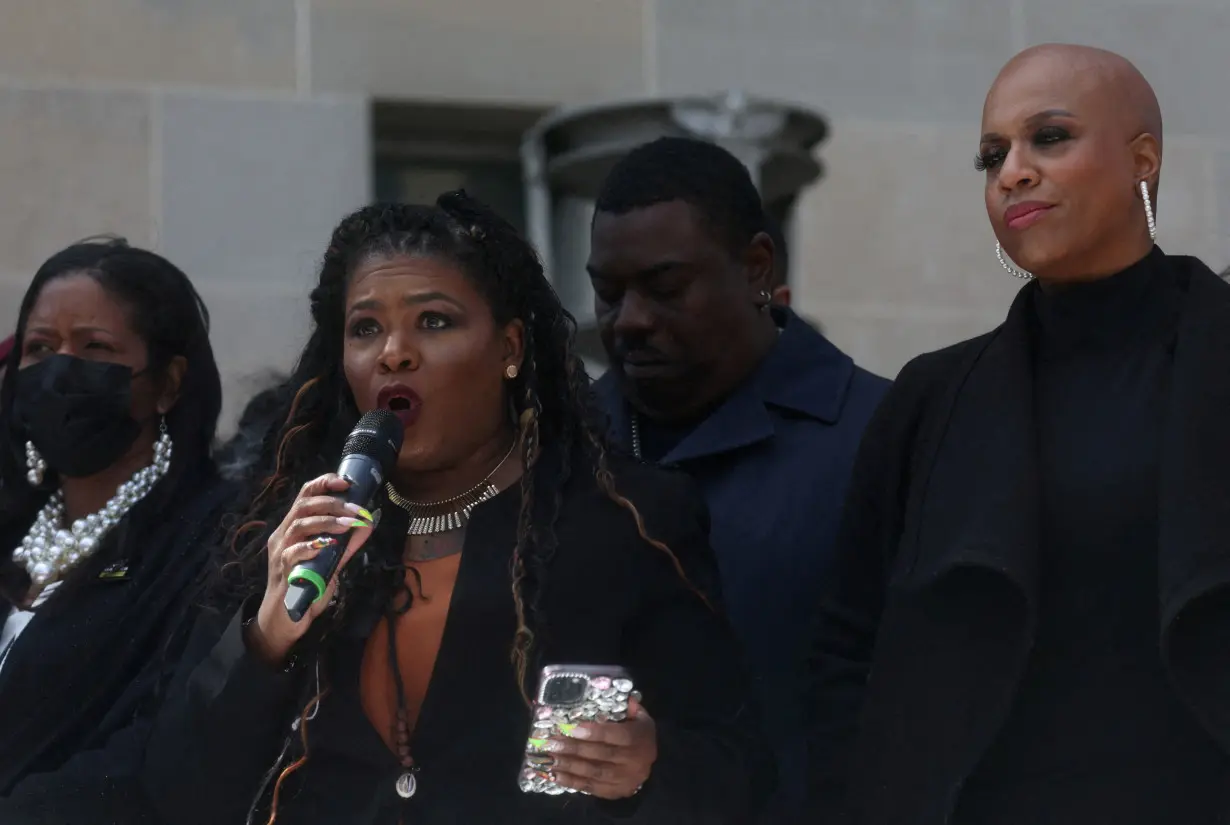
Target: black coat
{"points": [[80, 687], [937, 578], [610, 598], [773, 462]]}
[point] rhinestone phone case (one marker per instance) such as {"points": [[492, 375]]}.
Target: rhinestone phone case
{"points": [[567, 695]]}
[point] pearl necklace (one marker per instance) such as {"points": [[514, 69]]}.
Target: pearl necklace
{"points": [[49, 550]]}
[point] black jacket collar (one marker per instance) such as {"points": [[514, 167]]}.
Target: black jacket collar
{"points": [[803, 373]]}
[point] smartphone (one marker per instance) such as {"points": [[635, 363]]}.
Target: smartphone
{"points": [[567, 695]]}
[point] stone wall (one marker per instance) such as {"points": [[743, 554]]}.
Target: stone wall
{"points": [[232, 134], [895, 254]]}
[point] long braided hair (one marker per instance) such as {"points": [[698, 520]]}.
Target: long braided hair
{"points": [[551, 395]]}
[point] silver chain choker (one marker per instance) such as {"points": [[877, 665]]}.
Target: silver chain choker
{"points": [[429, 518]]}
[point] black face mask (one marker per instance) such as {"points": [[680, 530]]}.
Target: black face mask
{"points": [[77, 413]]}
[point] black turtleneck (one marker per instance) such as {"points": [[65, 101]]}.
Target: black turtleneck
{"points": [[1096, 733]]}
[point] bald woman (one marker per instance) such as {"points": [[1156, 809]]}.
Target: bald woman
{"points": [[1030, 621]]}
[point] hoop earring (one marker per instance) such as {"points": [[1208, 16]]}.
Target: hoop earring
{"points": [[1012, 270], [35, 466], [766, 300], [1144, 195]]}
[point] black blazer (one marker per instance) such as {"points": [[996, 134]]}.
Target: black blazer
{"points": [[936, 580], [80, 688], [610, 598]]}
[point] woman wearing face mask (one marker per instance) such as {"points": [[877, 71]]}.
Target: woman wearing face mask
{"points": [[109, 402], [1032, 600], [508, 539]]}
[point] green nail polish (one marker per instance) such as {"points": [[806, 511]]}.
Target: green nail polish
{"points": [[360, 523], [366, 515], [538, 743], [567, 729]]}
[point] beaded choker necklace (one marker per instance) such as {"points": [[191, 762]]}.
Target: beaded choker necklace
{"points": [[429, 518]]}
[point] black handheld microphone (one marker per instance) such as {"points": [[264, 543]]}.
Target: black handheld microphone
{"points": [[369, 453]]}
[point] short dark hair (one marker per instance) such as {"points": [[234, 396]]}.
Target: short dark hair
{"points": [[781, 251], [705, 176]]}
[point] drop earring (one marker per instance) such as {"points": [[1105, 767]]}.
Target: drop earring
{"points": [[1144, 195], [1012, 270], [162, 448], [35, 465]]}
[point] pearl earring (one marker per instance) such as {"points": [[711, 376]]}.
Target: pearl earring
{"points": [[37, 468], [1012, 270], [1144, 194], [511, 371], [162, 448]]}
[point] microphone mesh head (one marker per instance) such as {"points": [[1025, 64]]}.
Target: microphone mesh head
{"points": [[378, 434]]}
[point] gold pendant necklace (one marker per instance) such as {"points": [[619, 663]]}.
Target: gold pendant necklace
{"points": [[429, 518]]}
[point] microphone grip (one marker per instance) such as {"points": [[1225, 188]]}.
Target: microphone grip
{"points": [[307, 582], [298, 599]]}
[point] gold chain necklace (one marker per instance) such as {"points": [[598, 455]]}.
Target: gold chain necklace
{"points": [[431, 517]]}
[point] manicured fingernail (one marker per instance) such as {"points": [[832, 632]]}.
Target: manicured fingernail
{"points": [[574, 731], [553, 746], [540, 761], [320, 543], [360, 523]]}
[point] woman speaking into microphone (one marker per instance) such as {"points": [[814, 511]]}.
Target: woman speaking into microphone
{"points": [[506, 539]]}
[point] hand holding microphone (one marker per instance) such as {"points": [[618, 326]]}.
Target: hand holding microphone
{"points": [[327, 524]]}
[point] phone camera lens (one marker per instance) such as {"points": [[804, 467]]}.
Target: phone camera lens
{"points": [[565, 690]]}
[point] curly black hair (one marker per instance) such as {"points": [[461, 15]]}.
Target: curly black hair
{"points": [[551, 395]]}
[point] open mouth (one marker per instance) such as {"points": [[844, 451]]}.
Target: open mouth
{"points": [[402, 402]]}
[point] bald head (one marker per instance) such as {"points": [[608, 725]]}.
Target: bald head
{"points": [[1129, 100], [1069, 135]]}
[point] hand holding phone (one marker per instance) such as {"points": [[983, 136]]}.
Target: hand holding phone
{"points": [[590, 734]]}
